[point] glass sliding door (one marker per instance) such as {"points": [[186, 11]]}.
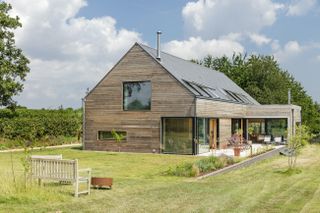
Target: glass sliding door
{"points": [[177, 135], [257, 129], [203, 135], [276, 127]]}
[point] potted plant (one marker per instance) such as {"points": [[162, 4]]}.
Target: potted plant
{"points": [[251, 134], [237, 143]]}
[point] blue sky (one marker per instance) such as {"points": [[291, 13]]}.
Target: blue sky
{"points": [[72, 44]]}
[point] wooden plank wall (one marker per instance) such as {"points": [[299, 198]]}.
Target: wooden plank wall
{"points": [[103, 106], [224, 131], [219, 109]]}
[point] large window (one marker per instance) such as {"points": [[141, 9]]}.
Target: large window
{"points": [[137, 95], [177, 135], [276, 127]]}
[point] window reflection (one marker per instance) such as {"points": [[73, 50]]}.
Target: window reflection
{"points": [[137, 95], [177, 135]]}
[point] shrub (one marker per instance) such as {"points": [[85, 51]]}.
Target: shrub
{"points": [[207, 164], [186, 169], [201, 166]]}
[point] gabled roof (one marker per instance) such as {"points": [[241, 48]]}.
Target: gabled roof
{"points": [[201, 81]]}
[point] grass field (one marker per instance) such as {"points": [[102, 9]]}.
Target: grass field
{"points": [[139, 186]]}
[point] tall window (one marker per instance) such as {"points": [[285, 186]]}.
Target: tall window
{"points": [[177, 135], [137, 95], [236, 125]]}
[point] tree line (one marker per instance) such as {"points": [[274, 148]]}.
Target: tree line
{"points": [[262, 77]]}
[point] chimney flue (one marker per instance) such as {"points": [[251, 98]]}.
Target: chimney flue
{"points": [[158, 45], [289, 96]]}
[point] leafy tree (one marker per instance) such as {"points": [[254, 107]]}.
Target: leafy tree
{"points": [[296, 143], [13, 64], [262, 77]]}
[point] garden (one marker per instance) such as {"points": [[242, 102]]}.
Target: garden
{"points": [[142, 184]]}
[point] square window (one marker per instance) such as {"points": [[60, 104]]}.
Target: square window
{"points": [[137, 95]]}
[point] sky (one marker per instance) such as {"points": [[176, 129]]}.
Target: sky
{"points": [[72, 44]]}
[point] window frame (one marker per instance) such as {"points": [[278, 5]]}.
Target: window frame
{"points": [[123, 97], [111, 139]]}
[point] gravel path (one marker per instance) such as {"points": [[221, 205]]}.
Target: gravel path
{"points": [[47, 147]]}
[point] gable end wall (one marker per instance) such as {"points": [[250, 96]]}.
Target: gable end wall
{"points": [[104, 110]]}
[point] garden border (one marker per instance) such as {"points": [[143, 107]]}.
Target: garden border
{"points": [[244, 163]]}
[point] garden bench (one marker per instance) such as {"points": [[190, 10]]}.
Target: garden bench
{"points": [[60, 170], [56, 157]]}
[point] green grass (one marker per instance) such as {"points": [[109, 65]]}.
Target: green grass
{"points": [[139, 186]]}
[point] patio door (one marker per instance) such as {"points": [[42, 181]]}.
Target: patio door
{"points": [[206, 134], [203, 137]]}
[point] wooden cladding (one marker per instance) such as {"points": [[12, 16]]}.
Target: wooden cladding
{"points": [[104, 105]]}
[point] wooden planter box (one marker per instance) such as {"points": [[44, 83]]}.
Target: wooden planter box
{"points": [[100, 182]]}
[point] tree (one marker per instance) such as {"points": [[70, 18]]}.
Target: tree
{"points": [[262, 78], [13, 64], [296, 143]]}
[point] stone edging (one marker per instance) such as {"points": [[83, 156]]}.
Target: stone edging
{"points": [[244, 163], [47, 147]]}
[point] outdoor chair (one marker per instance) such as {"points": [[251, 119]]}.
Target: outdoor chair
{"points": [[278, 140], [260, 138], [267, 139]]}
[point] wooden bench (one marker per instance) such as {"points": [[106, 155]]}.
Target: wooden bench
{"points": [[56, 157], [43, 168]]}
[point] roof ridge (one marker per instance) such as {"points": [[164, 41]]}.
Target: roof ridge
{"points": [[182, 59]]}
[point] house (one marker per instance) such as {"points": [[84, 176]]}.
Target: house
{"points": [[165, 104]]}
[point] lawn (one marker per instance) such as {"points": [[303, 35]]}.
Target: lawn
{"points": [[139, 186]]}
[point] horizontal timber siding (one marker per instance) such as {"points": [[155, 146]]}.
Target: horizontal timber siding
{"points": [[219, 109], [104, 110]]}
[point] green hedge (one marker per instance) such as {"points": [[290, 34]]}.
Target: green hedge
{"points": [[39, 123]]}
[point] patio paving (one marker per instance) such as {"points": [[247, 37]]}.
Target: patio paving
{"points": [[245, 153]]}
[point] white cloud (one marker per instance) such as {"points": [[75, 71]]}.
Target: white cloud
{"points": [[219, 17], [301, 7], [275, 45], [259, 39], [233, 36], [68, 53], [197, 48], [290, 49]]}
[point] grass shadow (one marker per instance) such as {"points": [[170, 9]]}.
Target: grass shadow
{"points": [[101, 188], [77, 147], [289, 172]]}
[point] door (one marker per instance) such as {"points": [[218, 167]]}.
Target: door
{"points": [[213, 133]]}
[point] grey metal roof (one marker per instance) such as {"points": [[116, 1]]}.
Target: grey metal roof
{"points": [[201, 81]]}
